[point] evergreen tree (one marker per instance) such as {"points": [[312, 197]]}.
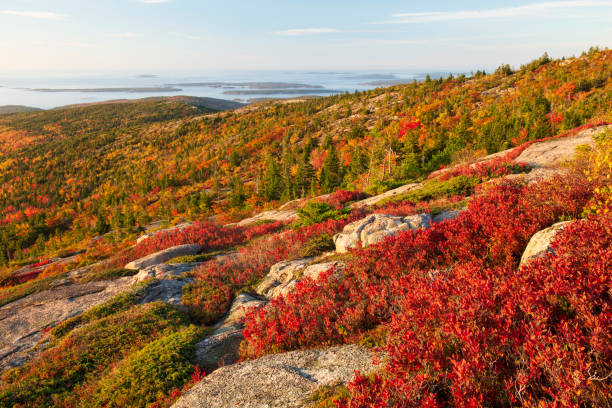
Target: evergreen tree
{"points": [[272, 180], [359, 162], [331, 173], [305, 176]]}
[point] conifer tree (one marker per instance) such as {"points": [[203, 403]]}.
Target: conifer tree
{"points": [[272, 180], [305, 176], [331, 172]]}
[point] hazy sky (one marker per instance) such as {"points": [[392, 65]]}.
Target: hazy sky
{"points": [[157, 35]]}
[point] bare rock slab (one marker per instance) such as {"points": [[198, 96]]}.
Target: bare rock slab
{"points": [[163, 256], [386, 195], [278, 380], [178, 227], [555, 152], [376, 227], [540, 243]]}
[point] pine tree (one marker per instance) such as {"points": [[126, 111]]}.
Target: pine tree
{"points": [[272, 180], [331, 173], [359, 162], [305, 176]]}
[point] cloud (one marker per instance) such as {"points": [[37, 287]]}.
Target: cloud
{"points": [[124, 35], [526, 10], [42, 15], [306, 31]]}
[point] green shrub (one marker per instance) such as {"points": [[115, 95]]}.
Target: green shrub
{"points": [[325, 396], [148, 374], [119, 303], [106, 274], [318, 245], [432, 189], [315, 212]]}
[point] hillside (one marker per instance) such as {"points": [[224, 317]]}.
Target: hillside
{"points": [[70, 174], [8, 109], [456, 231]]}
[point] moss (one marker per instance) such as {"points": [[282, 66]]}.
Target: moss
{"points": [[195, 258], [117, 304], [148, 374], [106, 274], [86, 354], [325, 396]]}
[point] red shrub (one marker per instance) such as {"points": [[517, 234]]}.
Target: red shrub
{"points": [[540, 336], [340, 197], [210, 296], [492, 233]]}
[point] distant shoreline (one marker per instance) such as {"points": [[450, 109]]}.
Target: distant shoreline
{"points": [[128, 90]]}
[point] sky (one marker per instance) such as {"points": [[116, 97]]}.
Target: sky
{"points": [[158, 35]]}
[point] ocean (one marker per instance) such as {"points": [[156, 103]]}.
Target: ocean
{"points": [[59, 89]]}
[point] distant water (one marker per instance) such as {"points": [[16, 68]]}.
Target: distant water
{"points": [[53, 90]]}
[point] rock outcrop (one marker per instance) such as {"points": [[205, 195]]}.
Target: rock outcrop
{"points": [[163, 256], [22, 322], [280, 276], [272, 215], [447, 215], [278, 380], [540, 244], [374, 228], [283, 276], [165, 271], [386, 195], [178, 227], [222, 346], [553, 153]]}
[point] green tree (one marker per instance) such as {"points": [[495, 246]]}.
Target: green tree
{"points": [[331, 173], [272, 183]]}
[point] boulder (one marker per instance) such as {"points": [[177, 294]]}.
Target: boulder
{"points": [[447, 215], [237, 311], [540, 244], [164, 255], [374, 228], [221, 348], [278, 380], [283, 276]]}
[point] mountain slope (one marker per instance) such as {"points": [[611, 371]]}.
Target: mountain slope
{"points": [[74, 173]]}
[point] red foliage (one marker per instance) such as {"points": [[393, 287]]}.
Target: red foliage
{"points": [[492, 233], [340, 197], [209, 236], [497, 337], [218, 281]]}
